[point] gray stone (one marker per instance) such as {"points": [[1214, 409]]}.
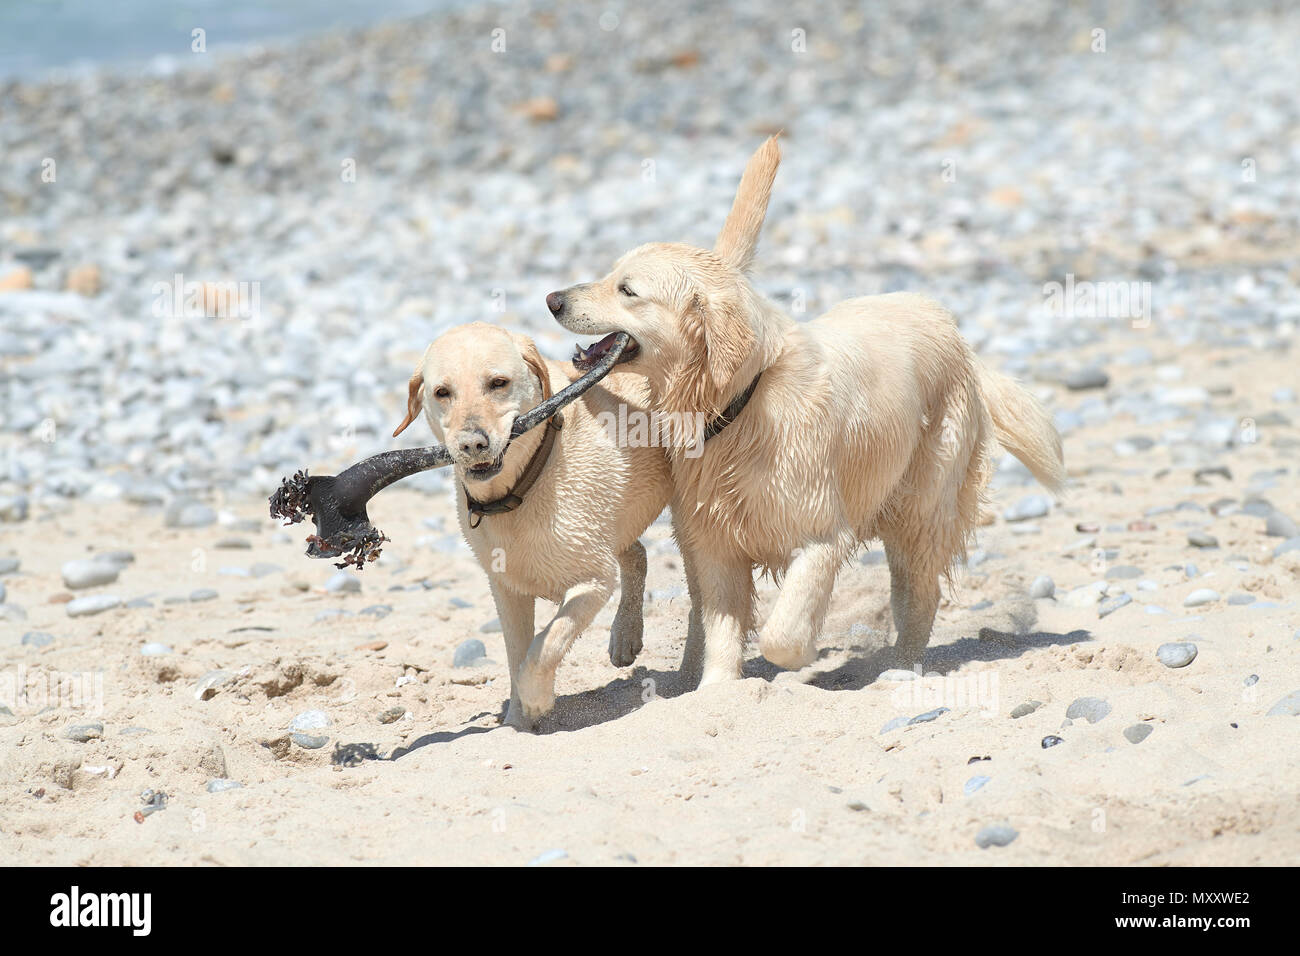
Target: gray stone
{"points": [[1031, 506], [310, 720], [1137, 733], [203, 594], [13, 508], [974, 783], [1025, 709], [1200, 597], [491, 627], [84, 732], [997, 834], [1290, 544], [392, 714], [1085, 378], [309, 741], [377, 610], [89, 573], [343, 583], [469, 653], [1288, 706], [1051, 740], [1123, 572], [1278, 525], [1113, 604], [8, 565], [222, 784], [1092, 709], [894, 723], [897, 674], [189, 514], [1043, 587], [928, 716], [1176, 653], [155, 649], [1240, 599], [38, 639], [1202, 539], [92, 604], [12, 613]]}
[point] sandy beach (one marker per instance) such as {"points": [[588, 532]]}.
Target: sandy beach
{"points": [[1114, 677]]}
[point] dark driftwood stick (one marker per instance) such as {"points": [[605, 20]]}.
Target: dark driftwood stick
{"points": [[337, 503]]}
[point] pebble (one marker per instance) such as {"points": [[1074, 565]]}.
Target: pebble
{"points": [[38, 639], [309, 741], [550, 856], [974, 783], [928, 716], [1051, 740], [84, 732], [1240, 599], [469, 653], [222, 784], [1113, 604], [377, 610], [203, 594], [1123, 572], [1200, 597], [155, 649], [897, 674], [1176, 653], [1085, 378], [189, 514], [1137, 733], [392, 715], [491, 627], [1288, 706], [1202, 539], [894, 724], [12, 612], [1251, 681], [1290, 544], [343, 582], [310, 720], [1092, 709], [92, 604], [13, 508], [1278, 525], [1025, 709], [211, 683], [1031, 506], [1043, 587], [8, 565], [998, 834], [89, 573]]}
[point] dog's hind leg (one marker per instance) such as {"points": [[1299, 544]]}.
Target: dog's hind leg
{"points": [[789, 638], [629, 620], [914, 573]]}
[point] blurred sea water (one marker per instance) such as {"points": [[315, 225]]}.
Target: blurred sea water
{"points": [[37, 36]]}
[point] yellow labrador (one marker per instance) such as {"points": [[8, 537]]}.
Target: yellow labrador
{"points": [[874, 420], [555, 513]]}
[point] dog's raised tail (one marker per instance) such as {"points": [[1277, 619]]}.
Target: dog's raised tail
{"points": [[1023, 427]]}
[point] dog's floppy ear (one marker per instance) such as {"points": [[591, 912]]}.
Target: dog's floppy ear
{"points": [[414, 400], [533, 359], [739, 236], [728, 340]]}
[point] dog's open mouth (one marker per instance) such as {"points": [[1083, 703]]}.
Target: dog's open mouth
{"points": [[485, 471], [585, 359]]}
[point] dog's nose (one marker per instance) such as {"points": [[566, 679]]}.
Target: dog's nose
{"points": [[473, 443], [555, 302]]}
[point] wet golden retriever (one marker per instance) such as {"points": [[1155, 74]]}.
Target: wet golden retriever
{"points": [[874, 420], [573, 535]]}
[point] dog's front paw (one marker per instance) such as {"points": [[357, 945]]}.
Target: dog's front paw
{"points": [[625, 642]]}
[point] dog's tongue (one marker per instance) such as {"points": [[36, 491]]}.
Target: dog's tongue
{"points": [[593, 352]]}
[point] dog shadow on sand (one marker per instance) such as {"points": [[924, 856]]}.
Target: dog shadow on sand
{"points": [[848, 667]]}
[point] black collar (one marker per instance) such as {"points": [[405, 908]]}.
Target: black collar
{"points": [[731, 411], [513, 498]]}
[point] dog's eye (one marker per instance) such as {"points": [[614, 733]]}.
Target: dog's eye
{"points": [[622, 287], [499, 382], [442, 391]]}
